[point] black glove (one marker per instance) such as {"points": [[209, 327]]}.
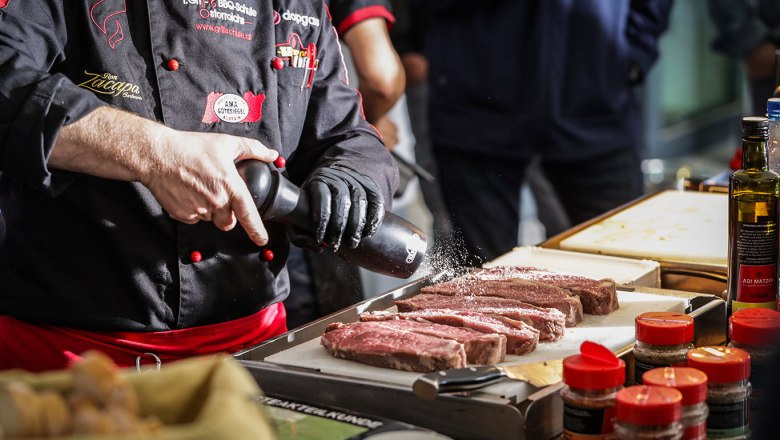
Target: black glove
{"points": [[345, 206]]}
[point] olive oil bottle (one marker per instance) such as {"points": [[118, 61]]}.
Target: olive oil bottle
{"points": [[753, 228]]}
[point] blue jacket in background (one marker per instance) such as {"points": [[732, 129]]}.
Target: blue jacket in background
{"points": [[524, 77], [742, 25]]}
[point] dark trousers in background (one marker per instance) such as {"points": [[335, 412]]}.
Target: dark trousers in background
{"points": [[482, 194], [320, 284]]}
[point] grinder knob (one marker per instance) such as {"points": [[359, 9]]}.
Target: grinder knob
{"points": [[397, 248]]}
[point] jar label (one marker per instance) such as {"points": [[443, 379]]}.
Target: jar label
{"points": [[758, 376], [641, 368], [587, 423], [727, 419]]}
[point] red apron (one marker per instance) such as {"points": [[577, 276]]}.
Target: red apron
{"points": [[46, 347]]}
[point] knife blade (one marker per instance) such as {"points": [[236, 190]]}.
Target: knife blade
{"points": [[538, 374]]}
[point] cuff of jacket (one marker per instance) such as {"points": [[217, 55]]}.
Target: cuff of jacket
{"points": [[362, 14], [53, 103]]}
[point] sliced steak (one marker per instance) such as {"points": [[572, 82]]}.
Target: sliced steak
{"points": [[550, 322], [521, 338], [481, 348], [379, 345], [492, 282], [599, 297]]}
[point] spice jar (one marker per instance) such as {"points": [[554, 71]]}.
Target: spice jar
{"points": [[648, 412], [662, 340], [692, 384], [728, 389], [757, 331], [591, 381]]}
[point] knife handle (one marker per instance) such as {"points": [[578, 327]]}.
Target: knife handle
{"points": [[430, 385]]}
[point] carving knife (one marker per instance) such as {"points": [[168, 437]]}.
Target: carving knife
{"points": [[538, 374]]}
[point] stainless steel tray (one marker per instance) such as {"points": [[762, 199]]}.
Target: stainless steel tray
{"points": [[510, 409]]}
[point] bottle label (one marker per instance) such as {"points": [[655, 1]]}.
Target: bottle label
{"points": [[727, 420], [739, 305], [757, 283], [757, 248], [587, 423]]}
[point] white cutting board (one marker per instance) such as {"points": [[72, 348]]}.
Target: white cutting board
{"points": [[680, 226], [624, 271], [615, 331]]}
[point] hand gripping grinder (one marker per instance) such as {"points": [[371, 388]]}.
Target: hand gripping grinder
{"points": [[397, 248]]}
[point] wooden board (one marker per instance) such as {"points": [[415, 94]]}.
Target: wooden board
{"points": [[676, 226]]}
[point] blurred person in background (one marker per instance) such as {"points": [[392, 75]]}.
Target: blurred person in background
{"points": [[750, 31], [321, 282], [408, 36], [514, 80]]}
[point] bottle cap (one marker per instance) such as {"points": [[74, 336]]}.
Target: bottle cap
{"points": [[648, 405], [755, 126], [773, 108], [721, 364], [690, 382], [755, 326], [595, 368], [664, 328]]}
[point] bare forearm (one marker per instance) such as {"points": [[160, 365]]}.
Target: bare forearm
{"points": [[108, 143], [192, 175], [380, 74]]}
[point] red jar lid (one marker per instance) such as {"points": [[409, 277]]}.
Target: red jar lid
{"points": [[690, 382], [646, 405], [721, 364], [594, 368], [664, 328], [755, 326]]}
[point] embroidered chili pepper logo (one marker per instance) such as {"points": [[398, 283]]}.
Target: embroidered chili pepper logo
{"points": [[105, 15], [231, 108], [4, 3]]}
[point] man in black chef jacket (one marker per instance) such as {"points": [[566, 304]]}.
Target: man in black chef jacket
{"points": [[120, 123]]}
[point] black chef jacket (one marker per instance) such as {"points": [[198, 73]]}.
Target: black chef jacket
{"points": [[99, 254]]}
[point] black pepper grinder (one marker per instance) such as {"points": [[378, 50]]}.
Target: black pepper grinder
{"points": [[397, 248]]}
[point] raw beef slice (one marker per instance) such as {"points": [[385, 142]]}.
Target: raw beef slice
{"points": [[521, 338], [412, 346], [500, 283], [550, 322], [599, 297]]}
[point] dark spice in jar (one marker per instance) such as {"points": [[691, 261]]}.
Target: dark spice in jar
{"points": [[692, 384], [728, 389], [662, 340], [756, 331], [591, 380], [645, 412]]}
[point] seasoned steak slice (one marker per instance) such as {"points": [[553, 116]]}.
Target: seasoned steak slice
{"points": [[550, 322], [521, 338], [599, 297], [481, 348], [379, 345], [490, 282]]}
